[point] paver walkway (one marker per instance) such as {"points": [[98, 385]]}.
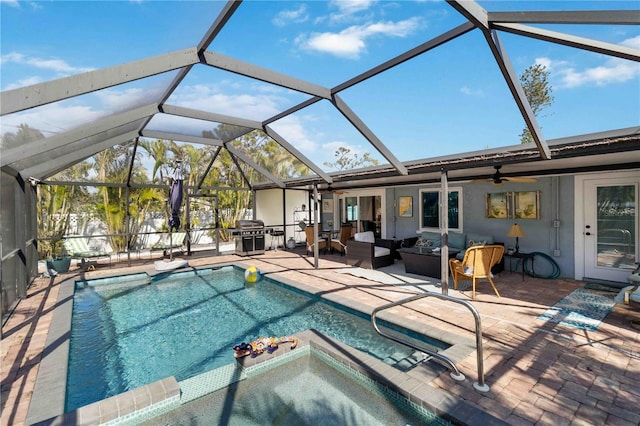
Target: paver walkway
{"points": [[539, 372]]}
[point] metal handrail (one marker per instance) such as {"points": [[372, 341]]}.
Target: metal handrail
{"points": [[455, 374]]}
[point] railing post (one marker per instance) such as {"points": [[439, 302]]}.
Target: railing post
{"points": [[480, 385]]}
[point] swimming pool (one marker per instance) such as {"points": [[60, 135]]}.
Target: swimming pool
{"points": [[130, 331]]}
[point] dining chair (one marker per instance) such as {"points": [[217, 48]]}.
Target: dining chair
{"points": [[340, 244], [322, 243]]}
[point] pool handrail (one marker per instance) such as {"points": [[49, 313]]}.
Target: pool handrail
{"points": [[455, 374]]}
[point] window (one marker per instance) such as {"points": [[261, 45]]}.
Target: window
{"points": [[430, 209], [352, 208]]}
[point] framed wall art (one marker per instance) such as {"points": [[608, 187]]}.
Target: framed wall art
{"points": [[498, 205], [405, 206], [513, 205], [327, 205], [526, 205]]}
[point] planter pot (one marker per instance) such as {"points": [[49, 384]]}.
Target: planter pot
{"points": [[59, 265]]}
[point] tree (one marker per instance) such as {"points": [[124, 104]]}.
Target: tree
{"points": [[25, 134], [345, 160], [55, 203], [535, 83]]}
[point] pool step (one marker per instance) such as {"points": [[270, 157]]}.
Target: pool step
{"points": [[404, 362]]}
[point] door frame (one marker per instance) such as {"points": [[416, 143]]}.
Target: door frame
{"points": [[581, 182], [377, 192]]}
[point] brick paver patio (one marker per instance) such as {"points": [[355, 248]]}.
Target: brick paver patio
{"points": [[539, 372]]}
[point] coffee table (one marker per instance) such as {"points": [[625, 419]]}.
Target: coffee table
{"points": [[422, 261]]}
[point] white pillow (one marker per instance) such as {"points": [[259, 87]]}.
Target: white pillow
{"points": [[380, 251], [365, 237]]}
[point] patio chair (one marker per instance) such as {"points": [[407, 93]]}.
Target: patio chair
{"points": [[367, 251], [77, 248], [340, 244], [177, 241], [322, 243], [476, 264]]}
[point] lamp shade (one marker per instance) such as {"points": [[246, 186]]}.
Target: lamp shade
{"points": [[516, 231]]}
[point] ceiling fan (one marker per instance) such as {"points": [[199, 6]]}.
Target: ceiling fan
{"points": [[330, 190], [498, 178]]}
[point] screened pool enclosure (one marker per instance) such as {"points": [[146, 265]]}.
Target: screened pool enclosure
{"points": [[269, 107]]}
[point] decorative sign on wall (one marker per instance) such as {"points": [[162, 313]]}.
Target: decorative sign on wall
{"points": [[513, 205]]}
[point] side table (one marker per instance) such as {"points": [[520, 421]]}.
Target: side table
{"points": [[524, 257]]}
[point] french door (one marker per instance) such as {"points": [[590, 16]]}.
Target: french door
{"points": [[364, 210], [610, 225]]}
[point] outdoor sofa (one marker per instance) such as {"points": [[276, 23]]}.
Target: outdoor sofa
{"points": [[458, 242]]}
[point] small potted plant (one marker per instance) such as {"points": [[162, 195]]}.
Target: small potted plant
{"points": [[58, 262]]}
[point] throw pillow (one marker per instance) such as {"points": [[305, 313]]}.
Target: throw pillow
{"points": [[476, 243]]}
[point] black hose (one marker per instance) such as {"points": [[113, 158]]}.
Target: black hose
{"points": [[556, 269]]}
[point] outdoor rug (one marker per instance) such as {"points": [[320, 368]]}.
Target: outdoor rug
{"points": [[582, 309]]}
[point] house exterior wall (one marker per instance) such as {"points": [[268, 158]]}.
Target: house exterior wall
{"points": [[556, 203]]}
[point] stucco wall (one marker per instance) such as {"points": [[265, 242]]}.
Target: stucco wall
{"points": [[556, 202]]}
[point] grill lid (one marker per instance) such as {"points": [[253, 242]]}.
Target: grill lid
{"points": [[249, 224]]}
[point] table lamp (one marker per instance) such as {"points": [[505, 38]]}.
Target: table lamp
{"points": [[516, 231]]}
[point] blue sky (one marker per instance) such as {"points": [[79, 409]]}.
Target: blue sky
{"points": [[452, 99]]}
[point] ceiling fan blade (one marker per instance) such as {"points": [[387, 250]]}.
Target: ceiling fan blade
{"points": [[520, 179], [483, 180]]}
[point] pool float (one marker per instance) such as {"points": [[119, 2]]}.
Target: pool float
{"points": [[256, 347], [162, 265]]}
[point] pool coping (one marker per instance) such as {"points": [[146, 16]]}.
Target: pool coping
{"points": [[48, 398]]}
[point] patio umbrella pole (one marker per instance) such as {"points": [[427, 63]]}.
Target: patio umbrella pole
{"points": [[170, 245], [175, 200]]}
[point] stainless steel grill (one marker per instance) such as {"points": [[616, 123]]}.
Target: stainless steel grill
{"points": [[249, 237]]}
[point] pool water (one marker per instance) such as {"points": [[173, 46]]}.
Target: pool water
{"points": [[307, 391], [128, 333]]}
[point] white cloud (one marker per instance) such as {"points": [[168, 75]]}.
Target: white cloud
{"points": [[297, 16], [120, 100], [633, 42], [27, 81], [53, 118], [296, 133], [12, 3], [348, 9], [471, 92], [350, 42], [60, 67], [613, 70], [342, 45], [351, 6], [207, 98], [545, 62]]}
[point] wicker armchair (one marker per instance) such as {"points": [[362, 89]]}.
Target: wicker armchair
{"points": [[477, 263]]}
